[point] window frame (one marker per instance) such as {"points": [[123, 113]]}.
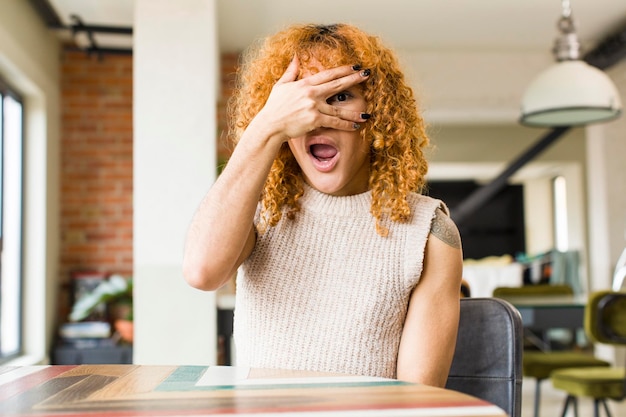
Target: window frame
{"points": [[6, 90], [560, 215]]}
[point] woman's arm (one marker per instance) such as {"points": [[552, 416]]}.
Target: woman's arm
{"points": [[221, 235], [429, 334]]}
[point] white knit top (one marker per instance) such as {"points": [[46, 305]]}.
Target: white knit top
{"points": [[325, 292]]}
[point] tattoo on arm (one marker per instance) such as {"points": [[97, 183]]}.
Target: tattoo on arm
{"points": [[444, 228]]}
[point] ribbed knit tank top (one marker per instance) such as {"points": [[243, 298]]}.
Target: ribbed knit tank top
{"points": [[325, 292]]}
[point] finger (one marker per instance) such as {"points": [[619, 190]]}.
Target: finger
{"points": [[339, 124], [331, 74], [349, 115], [337, 85], [291, 73]]}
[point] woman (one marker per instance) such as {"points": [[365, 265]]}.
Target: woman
{"points": [[345, 267]]}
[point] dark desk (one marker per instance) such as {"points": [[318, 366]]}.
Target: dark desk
{"points": [[71, 355], [132, 390], [551, 312], [540, 314]]}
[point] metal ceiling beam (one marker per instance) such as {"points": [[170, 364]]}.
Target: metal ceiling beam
{"points": [[483, 194], [606, 54], [52, 20], [101, 51], [93, 47], [47, 13], [609, 52], [79, 26]]}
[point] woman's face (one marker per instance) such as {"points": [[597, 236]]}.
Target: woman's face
{"points": [[335, 162]]}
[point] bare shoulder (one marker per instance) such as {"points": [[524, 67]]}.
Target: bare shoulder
{"points": [[444, 229]]}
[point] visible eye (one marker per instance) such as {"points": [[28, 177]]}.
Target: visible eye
{"points": [[338, 97]]}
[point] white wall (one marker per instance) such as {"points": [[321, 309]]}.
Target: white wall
{"points": [[175, 99], [606, 149], [606, 177], [29, 61], [616, 184]]}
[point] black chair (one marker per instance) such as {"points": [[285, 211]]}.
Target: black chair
{"points": [[487, 362]]}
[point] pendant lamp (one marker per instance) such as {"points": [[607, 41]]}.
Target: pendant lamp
{"points": [[571, 92]]}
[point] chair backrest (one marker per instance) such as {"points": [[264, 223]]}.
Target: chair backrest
{"points": [[605, 317], [487, 362], [537, 290]]}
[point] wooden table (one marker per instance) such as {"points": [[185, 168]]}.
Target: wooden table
{"points": [[133, 390]]}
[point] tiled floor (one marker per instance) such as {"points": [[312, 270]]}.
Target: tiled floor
{"points": [[552, 402]]}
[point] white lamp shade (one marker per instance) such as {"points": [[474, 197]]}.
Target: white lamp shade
{"points": [[570, 93]]}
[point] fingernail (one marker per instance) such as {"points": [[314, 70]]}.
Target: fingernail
{"points": [[356, 126], [365, 115], [366, 72], [356, 67]]}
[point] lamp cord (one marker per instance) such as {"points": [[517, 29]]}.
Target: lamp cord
{"points": [[566, 46]]}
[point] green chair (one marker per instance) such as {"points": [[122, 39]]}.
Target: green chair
{"points": [[540, 364], [605, 322], [537, 290]]}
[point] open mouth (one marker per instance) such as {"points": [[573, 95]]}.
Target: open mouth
{"points": [[323, 152], [323, 156]]}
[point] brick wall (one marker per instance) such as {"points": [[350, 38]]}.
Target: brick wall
{"points": [[97, 163], [96, 166], [228, 69]]}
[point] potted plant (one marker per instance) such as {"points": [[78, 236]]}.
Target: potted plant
{"points": [[117, 293]]}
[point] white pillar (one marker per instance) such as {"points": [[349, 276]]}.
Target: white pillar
{"points": [[598, 199], [175, 95], [606, 175], [616, 170]]}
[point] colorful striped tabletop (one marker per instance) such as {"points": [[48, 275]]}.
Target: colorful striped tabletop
{"points": [[150, 390]]}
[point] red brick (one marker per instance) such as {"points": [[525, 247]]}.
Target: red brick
{"points": [[96, 162]]}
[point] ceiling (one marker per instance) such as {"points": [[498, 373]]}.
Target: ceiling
{"points": [[404, 24], [409, 25]]}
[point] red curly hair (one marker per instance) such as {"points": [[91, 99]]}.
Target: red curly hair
{"points": [[396, 132]]}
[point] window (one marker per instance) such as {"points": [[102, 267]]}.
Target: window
{"points": [[11, 162], [559, 191]]}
